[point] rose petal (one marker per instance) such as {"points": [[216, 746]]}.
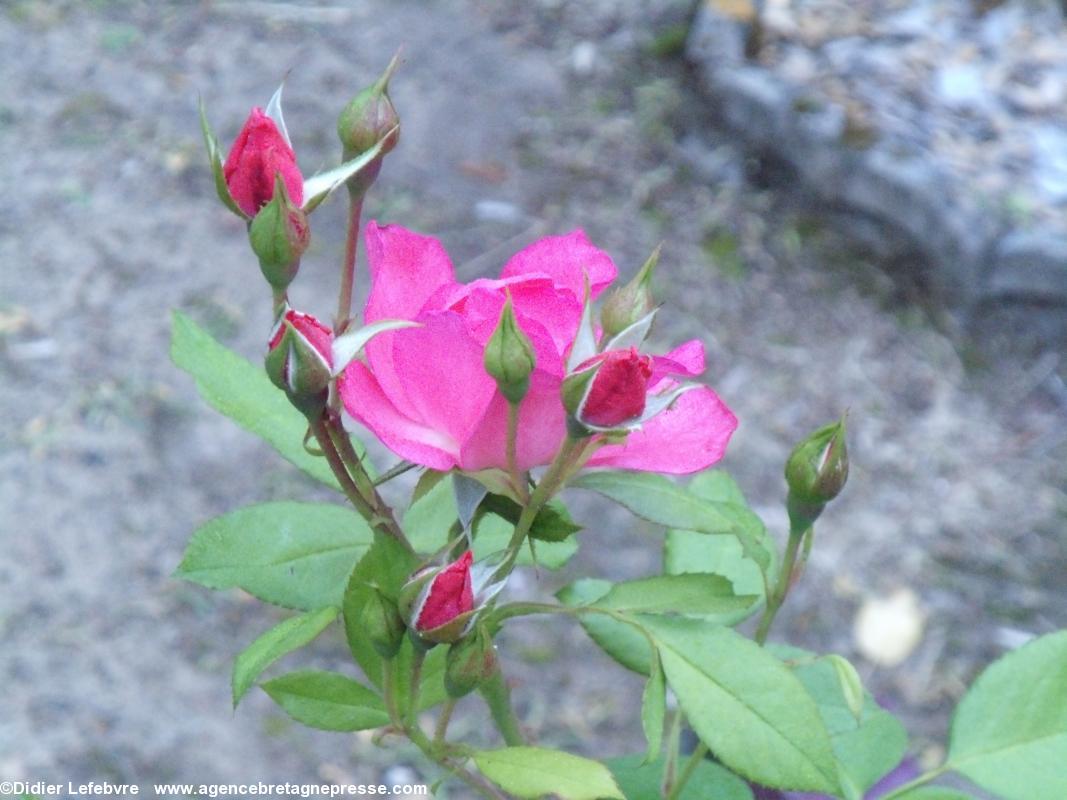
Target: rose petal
{"points": [[567, 260], [690, 436]]}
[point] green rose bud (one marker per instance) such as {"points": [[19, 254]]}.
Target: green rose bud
{"points": [[816, 472], [370, 117], [382, 623], [632, 302], [509, 356], [469, 662], [279, 234]]}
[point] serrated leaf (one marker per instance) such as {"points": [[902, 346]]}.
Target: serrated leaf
{"points": [[242, 391], [653, 709], [623, 642], [532, 772], [1009, 733], [867, 748], [294, 555], [283, 638], [327, 701], [745, 705], [658, 500], [693, 595], [709, 781]]}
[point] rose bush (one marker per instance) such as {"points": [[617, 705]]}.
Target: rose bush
{"points": [[425, 393]]}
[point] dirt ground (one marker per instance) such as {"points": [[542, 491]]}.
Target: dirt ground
{"points": [[520, 119]]}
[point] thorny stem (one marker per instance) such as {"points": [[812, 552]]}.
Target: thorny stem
{"points": [[416, 678], [476, 782], [687, 771], [337, 465], [785, 580], [348, 266]]}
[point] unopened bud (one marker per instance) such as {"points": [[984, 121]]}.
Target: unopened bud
{"points": [[816, 471], [279, 235], [299, 360], [469, 662], [368, 118], [632, 302], [438, 603], [509, 356], [609, 391], [259, 153], [381, 622]]}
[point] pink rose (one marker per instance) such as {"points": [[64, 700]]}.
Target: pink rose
{"points": [[425, 392], [619, 389], [258, 154]]}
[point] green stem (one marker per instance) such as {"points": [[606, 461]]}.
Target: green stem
{"points": [[925, 778], [476, 782], [687, 771], [512, 453], [670, 768], [389, 691], [381, 515], [337, 465], [416, 678], [348, 266], [785, 579], [498, 697], [442, 722], [280, 299]]}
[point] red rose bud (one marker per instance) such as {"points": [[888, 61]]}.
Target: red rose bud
{"points": [[632, 302], [279, 235], [469, 662], [258, 154], [509, 356], [617, 392], [382, 623], [299, 360], [369, 118], [449, 595]]}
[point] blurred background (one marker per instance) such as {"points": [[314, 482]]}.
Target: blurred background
{"points": [[861, 206]]}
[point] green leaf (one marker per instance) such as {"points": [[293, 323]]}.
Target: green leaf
{"points": [[242, 391], [865, 749], [327, 701], [745, 705], [659, 500], [294, 555], [283, 638], [427, 480], [386, 565], [719, 486], [553, 522], [532, 772], [623, 642], [653, 709], [215, 157], [702, 595], [1009, 733], [709, 781]]}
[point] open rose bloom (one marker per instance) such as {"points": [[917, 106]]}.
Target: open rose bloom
{"points": [[424, 390]]}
